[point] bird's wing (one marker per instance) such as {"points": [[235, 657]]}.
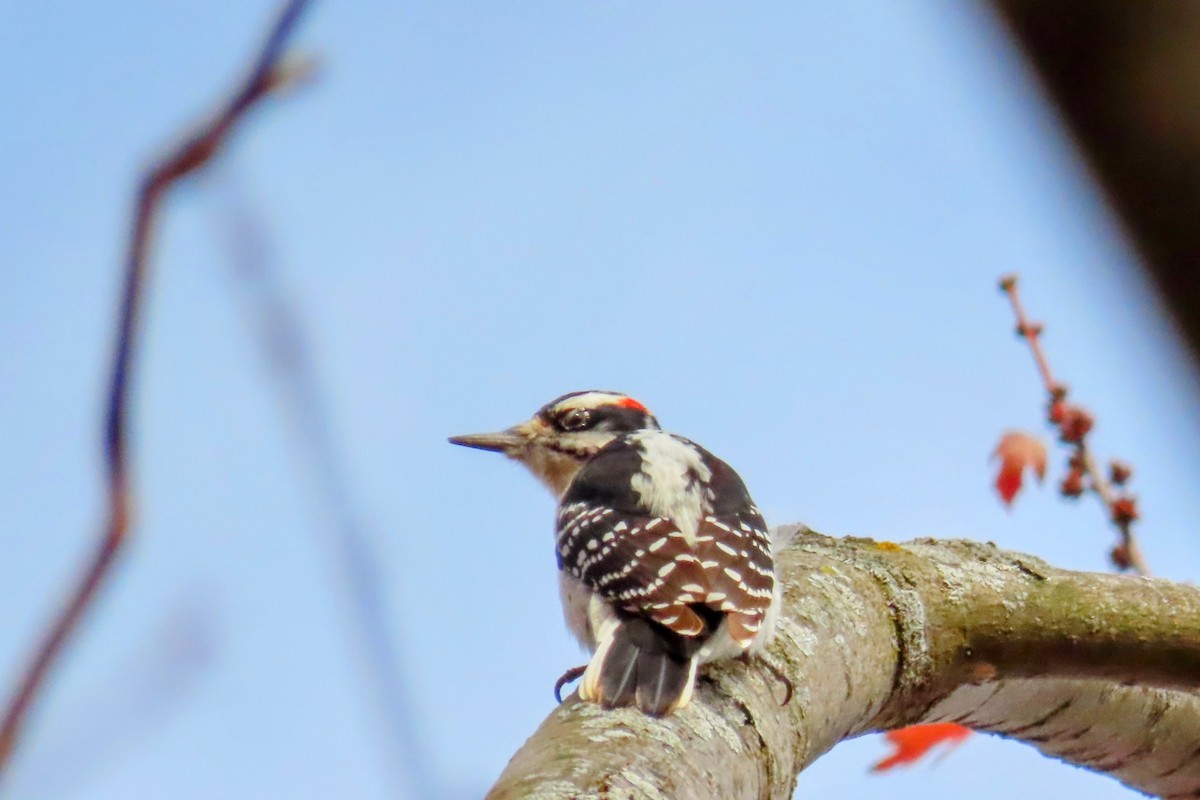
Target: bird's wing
{"points": [[646, 566]]}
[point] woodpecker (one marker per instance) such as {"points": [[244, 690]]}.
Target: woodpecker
{"points": [[665, 562]]}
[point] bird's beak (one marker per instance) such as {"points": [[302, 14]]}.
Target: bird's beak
{"points": [[500, 442]]}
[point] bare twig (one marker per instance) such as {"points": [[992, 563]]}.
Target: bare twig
{"points": [[1074, 424], [280, 332], [194, 153], [1031, 333], [1128, 554]]}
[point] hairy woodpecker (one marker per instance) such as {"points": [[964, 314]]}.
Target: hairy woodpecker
{"points": [[665, 562]]}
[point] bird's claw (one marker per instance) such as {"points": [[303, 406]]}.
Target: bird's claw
{"points": [[572, 674]]}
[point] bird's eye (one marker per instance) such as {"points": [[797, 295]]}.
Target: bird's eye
{"points": [[576, 419]]}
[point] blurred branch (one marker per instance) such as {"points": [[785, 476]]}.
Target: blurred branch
{"points": [[195, 152], [120, 709], [280, 332], [1098, 670], [1124, 76]]}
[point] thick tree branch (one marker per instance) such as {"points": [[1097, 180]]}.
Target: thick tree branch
{"points": [[1096, 669], [1146, 738]]}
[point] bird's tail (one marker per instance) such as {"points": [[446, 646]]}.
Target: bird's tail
{"points": [[639, 662]]}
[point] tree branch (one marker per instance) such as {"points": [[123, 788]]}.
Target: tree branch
{"points": [[1088, 667], [195, 151], [1123, 76], [280, 331], [1074, 424]]}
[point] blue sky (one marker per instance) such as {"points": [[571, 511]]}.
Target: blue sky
{"points": [[780, 227]]}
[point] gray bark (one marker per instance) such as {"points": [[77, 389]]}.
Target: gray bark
{"points": [[1098, 670]]}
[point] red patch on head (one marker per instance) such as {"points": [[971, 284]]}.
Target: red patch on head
{"points": [[629, 402]]}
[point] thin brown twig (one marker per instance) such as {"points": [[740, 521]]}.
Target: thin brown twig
{"points": [[196, 150], [1031, 334], [1131, 550], [1128, 554]]}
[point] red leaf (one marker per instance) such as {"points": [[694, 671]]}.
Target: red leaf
{"points": [[1018, 451], [914, 742]]}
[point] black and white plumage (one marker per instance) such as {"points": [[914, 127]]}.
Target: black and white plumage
{"points": [[665, 561]]}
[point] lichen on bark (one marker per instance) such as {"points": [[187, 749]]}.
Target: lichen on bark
{"points": [[1096, 669]]}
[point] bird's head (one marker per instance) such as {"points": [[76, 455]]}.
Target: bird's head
{"points": [[560, 438]]}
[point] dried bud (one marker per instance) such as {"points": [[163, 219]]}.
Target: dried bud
{"points": [[1030, 330], [1119, 472], [1008, 283], [1074, 425], [1058, 391], [1120, 557], [1072, 484], [1055, 412], [1124, 510]]}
